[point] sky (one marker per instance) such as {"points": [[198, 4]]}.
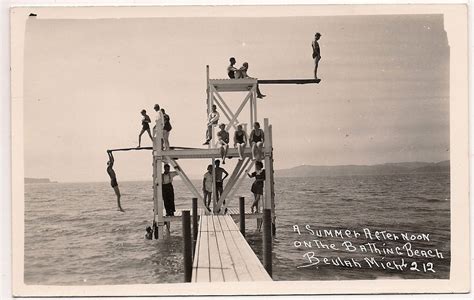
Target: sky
{"points": [[384, 94]]}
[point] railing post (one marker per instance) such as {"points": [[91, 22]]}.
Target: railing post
{"points": [[242, 215], [195, 222], [267, 240], [187, 246]]}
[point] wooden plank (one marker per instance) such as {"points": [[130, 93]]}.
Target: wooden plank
{"points": [[239, 264], [196, 255], [214, 257], [231, 224], [203, 265], [253, 264], [228, 269]]}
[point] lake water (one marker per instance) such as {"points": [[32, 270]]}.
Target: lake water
{"points": [[75, 236]]}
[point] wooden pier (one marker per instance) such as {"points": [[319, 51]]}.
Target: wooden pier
{"points": [[223, 255]]}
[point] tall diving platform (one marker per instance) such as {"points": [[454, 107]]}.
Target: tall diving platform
{"points": [[215, 96]]}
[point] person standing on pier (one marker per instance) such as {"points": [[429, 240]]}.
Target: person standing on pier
{"points": [[256, 141], [113, 179], [223, 142], [219, 179], [207, 187], [166, 130], [316, 53], [212, 121], [145, 127], [257, 186], [240, 141], [168, 190]]}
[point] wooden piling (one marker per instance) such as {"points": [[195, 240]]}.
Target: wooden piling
{"points": [[267, 240], [242, 215], [187, 246], [195, 221]]}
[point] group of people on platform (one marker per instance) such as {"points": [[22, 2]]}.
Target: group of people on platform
{"points": [[162, 118], [256, 139]]}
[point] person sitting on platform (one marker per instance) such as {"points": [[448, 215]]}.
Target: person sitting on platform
{"points": [[212, 121], [316, 53], [166, 130], [223, 142], [242, 73], [256, 141], [240, 141], [257, 186], [149, 233], [145, 127], [219, 179], [231, 69], [168, 190], [113, 179], [207, 187]]}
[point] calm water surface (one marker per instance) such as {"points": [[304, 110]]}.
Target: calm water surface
{"points": [[74, 235]]}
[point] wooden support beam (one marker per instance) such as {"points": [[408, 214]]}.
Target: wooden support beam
{"points": [[239, 110], [203, 153], [157, 179], [288, 81], [240, 180], [224, 108], [268, 168], [232, 180], [185, 178]]}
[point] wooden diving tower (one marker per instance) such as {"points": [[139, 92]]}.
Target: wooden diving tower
{"points": [[215, 90]]}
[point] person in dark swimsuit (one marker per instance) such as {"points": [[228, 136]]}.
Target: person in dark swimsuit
{"points": [[240, 141], [316, 53], [256, 141], [223, 142], [113, 179], [166, 130], [257, 186], [145, 127], [231, 69]]}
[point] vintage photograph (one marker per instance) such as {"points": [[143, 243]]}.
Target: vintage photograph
{"points": [[236, 149]]}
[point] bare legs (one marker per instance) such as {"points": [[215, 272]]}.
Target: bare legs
{"points": [[241, 149], [257, 149], [140, 136], [257, 210], [117, 193], [316, 63], [224, 148], [255, 203], [207, 200], [166, 141]]}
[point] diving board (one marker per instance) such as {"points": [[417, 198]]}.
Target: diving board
{"points": [[223, 255], [288, 81]]}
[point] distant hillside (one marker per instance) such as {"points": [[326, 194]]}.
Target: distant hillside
{"points": [[38, 180], [382, 169]]}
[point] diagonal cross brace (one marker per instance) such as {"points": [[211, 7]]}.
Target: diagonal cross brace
{"points": [[185, 178]]}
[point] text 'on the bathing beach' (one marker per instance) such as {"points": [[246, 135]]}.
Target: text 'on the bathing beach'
{"points": [[366, 249]]}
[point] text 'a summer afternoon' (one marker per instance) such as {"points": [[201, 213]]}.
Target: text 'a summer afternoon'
{"points": [[366, 233]]}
